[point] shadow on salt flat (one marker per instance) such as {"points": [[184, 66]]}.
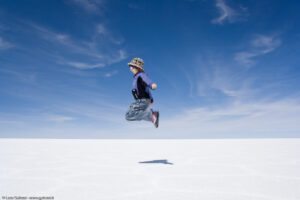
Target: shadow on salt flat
{"points": [[157, 162]]}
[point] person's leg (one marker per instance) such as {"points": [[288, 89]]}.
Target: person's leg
{"points": [[139, 110], [155, 118], [131, 112]]}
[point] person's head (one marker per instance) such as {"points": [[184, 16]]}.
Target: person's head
{"points": [[136, 65], [135, 70]]}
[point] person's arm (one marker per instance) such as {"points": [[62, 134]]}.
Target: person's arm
{"points": [[148, 81]]}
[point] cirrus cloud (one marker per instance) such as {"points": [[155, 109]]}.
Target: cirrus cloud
{"points": [[4, 44], [228, 14], [260, 45], [90, 6]]}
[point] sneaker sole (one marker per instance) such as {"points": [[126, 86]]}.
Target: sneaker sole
{"points": [[157, 120]]}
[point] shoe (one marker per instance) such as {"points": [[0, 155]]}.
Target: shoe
{"points": [[155, 118]]}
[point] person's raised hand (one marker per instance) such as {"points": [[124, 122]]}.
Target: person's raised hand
{"points": [[153, 86]]}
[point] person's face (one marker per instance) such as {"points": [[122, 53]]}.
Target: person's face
{"points": [[133, 69]]}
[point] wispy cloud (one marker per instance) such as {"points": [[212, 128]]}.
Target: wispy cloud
{"points": [[11, 122], [212, 77], [110, 74], [80, 47], [89, 53], [190, 82], [59, 113], [4, 44], [101, 29], [260, 45], [218, 81], [48, 34], [120, 55], [91, 6], [24, 77], [265, 43], [241, 104], [80, 65], [59, 118], [227, 14], [239, 117], [103, 32]]}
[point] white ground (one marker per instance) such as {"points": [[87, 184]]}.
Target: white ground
{"points": [[226, 169]]}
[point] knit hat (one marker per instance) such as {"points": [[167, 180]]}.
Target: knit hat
{"points": [[137, 62]]}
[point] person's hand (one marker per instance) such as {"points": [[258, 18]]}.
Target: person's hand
{"points": [[151, 102], [154, 86]]}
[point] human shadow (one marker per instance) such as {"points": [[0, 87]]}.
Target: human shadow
{"points": [[156, 162]]}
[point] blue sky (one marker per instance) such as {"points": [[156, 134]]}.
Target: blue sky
{"points": [[224, 68]]}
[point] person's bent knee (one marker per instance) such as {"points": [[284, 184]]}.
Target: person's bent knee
{"points": [[128, 117]]}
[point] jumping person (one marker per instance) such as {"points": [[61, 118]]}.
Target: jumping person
{"points": [[139, 110]]}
